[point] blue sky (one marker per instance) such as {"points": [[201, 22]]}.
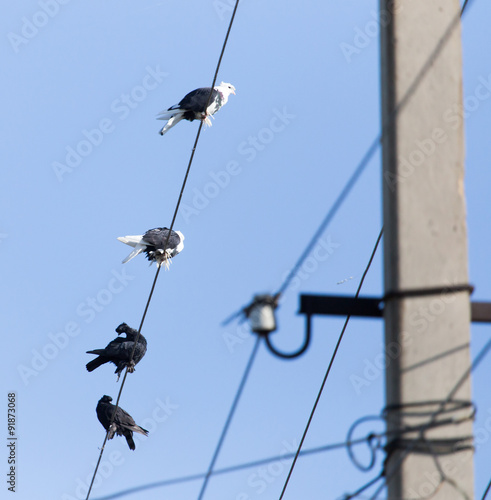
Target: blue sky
{"points": [[84, 163]]}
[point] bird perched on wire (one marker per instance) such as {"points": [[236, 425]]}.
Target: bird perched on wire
{"points": [[153, 243], [193, 105], [119, 350], [122, 424]]}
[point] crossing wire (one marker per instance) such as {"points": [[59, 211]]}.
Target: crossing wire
{"points": [[463, 7], [230, 416], [239, 467], [338, 343], [372, 149], [351, 182], [188, 169], [485, 494], [389, 475]]}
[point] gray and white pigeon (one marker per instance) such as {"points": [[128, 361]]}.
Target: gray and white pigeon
{"points": [[153, 242], [123, 423], [192, 106], [119, 351]]}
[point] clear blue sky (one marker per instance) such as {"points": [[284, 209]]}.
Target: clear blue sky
{"points": [[91, 77]]}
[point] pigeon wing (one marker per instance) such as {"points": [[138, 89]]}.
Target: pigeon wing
{"points": [[140, 350], [158, 236], [196, 100], [132, 241], [169, 113]]}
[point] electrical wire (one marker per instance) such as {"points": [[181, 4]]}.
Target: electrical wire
{"points": [[348, 444], [463, 7], [388, 124], [395, 468], [231, 413], [485, 494], [332, 212], [188, 169], [371, 151], [328, 371], [122, 385], [364, 487], [246, 465], [481, 355], [344, 193]]}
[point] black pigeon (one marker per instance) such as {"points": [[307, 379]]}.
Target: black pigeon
{"points": [[193, 105], [119, 350], [123, 424], [153, 242]]}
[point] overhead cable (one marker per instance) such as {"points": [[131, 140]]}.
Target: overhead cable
{"points": [[188, 169]]}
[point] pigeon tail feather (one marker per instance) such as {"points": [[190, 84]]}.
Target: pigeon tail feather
{"points": [[173, 120], [129, 440], [95, 363], [99, 352], [140, 430], [132, 241], [138, 249]]}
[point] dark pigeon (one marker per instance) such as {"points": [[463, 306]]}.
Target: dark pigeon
{"points": [[119, 350], [123, 424], [193, 106], [153, 242]]}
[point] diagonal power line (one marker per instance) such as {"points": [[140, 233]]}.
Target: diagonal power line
{"points": [[235, 468], [467, 373], [188, 169], [400, 106], [372, 149], [328, 371], [231, 413]]}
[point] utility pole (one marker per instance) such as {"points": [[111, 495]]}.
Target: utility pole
{"points": [[425, 247]]}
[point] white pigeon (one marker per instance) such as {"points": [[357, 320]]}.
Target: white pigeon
{"points": [[192, 106], [153, 243]]}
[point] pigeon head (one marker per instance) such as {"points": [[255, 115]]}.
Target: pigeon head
{"points": [[228, 87], [121, 328], [105, 399]]}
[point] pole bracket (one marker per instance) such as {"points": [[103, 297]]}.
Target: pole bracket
{"points": [[373, 307]]}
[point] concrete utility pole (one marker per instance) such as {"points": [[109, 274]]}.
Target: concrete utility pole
{"points": [[425, 245]]}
